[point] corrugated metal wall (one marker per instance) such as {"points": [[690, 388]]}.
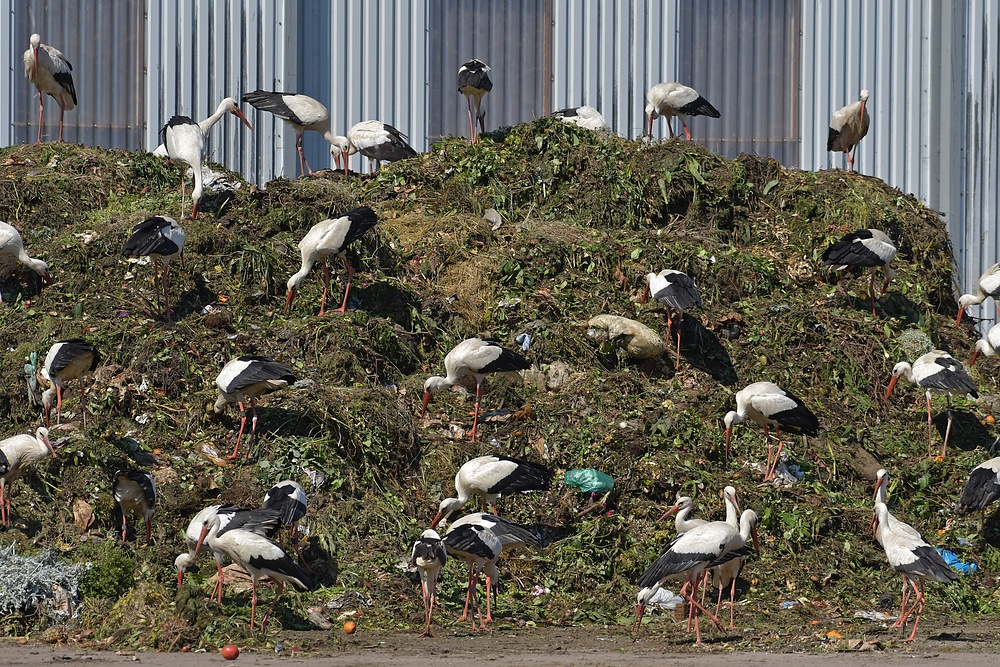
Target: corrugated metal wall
{"points": [[512, 37], [743, 57], [104, 43], [608, 53], [201, 51]]}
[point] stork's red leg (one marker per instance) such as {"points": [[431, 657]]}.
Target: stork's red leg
{"points": [[769, 476], [62, 112], [732, 603], [920, 608], [40, 107], [253, 426], [468, 593], [489, 611], [239, 436], [267, 615], [347, 290], [83, 404], [58, 404], [901, 619], [253, 601], [475, 418], [687, 132], [472, 127], [670, 126]]}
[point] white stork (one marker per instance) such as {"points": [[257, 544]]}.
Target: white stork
{"points": [[17, 454], [227, 105], [676, 99], [586, 117], [159, 238], [726, 574], [770, 406], [682, 507], [263, 522], [983, 486], [327, 238], [474, 82], [988, 344], [288, 498], [848, 127], [185, 143], [879, 496], [11, 244], [378, 141], [936, 372], [66, 361], [302, 113], [478, 539], [259, 556], [428, 556], [688, 556], [913, 558], [491, 476], [675, 290], [48, 70], [475, 357], [242, 380], [135, 491], [866, 248], [988, 286]]}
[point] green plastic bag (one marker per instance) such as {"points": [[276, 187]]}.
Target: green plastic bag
{"points": [[590, 480]]}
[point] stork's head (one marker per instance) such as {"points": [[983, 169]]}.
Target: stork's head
{"points": [[36, 41], [340, 148], [651, 115], [681, 503], [898, 370], [42, 435], [982, 345], [434, 383], [732, 417], [234, 108], [881, 481], [729, 495], [448, 505], [182, 563]]}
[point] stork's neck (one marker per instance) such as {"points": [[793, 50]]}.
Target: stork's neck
{"points": [[681, 522], [210, 122], [298, 276], [732, 517]]}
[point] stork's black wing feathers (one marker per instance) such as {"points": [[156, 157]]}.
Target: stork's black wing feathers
{"points": [[286, 566], [397, 148], [849, 251], [527, 476], [799, 419], [272, 102], [362, 219], [428, 549], [65, 80], [264, 522], [469, 539], [507, 361], [953, 377], [680, 292], [474, 75], [142, 479], [982, 489], [700, 107], [265, 369], [671, 563], [281, 500], [513, 534], [4, 464], [148, 239], [71, 349], [930, 564], [175, 121]]}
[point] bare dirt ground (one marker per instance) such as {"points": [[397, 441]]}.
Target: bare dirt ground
{"points": [[962, 645]]}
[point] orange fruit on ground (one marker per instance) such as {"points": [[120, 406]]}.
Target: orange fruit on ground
{"points": [[990, 419], [350, 627], [230, 652]]}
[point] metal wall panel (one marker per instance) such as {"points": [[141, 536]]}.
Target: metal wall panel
{"points": [[201, 51], [104, 43], [607, 54], [743, 57], [511, 36]]}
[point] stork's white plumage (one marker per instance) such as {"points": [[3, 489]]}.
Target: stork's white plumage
{"points": [[302, 113], [428, 556], [913, 558], [378, 141], [327, 238], [879, 496], [288, 498], [11, 244], [66, 361], [185, 143], [871, 249], [988, 286], [675, 290], [259, 556], [726, 574], [683, 506], [848, 127], [263, 522], [17, 454], [47, 68], [159, 238], [242, 380], [988, 345], [491, 476], [478, 539], [474, 82], [227, 105], [676, 99], [936, 372], [688, 556], [135, 492], [983, 486], [584, 116], [770, 406], [474, 357]]}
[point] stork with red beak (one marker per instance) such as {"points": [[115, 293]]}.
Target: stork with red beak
{"points": [[848, 127], [47, 68]]}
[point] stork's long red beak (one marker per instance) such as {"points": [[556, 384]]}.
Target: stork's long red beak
{"points": [[645, 294], [437, 520], [35, 53], [670, 511], [729, 434], [892, 383], [423, 408], [201, 538], [180, 578], [756, 544], [194, 211], [48, 444], [958, 320], [239, 114], [46, 278], [878, 484], [861, 114], [649, 126], [975, 355], [288, 300]]}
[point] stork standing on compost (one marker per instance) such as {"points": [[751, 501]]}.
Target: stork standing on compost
{"points": [[770, 406], [66, 361], [676, 99], [12, 245], [160, 238], [474, 357], [135, 492], [474, 82], [227, 105], [848, 127], [244, 379], [288, 498], [987, 287], [871, 249], [936, 372], [302, 113], [325, 239], [48, 70], [491, 476], [17, 454], [379, 142], [675, 290]]}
